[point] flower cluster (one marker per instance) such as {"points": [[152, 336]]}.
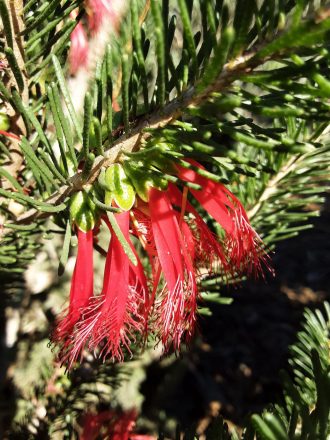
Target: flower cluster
{"points": [[180, 248]]}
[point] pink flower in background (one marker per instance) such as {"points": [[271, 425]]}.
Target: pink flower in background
{"points": [[3, 65], [78, 54], [80, 294], [101, 11], [111, 424]]}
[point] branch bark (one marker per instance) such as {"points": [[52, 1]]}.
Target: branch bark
{"points": [[132, 141], [174, 109]]}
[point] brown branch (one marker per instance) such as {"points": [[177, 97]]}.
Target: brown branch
{"points": [[273, 183], [174, 109], [15, 163], [131, 142], [15, 8]]}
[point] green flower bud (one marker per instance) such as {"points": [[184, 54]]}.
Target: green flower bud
{"points": [[122, 190], [83, 211], [4, 121]]}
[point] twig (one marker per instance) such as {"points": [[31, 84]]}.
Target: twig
{"points": [[272, 185], [174, 109], [132, 142]]}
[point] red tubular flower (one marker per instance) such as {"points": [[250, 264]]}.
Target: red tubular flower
{"points": [[205, 247], [78, 54], [111, 320], [80, 294], [181, 247], [243, 246], [143, 230], [125, 294], [175, 306]]}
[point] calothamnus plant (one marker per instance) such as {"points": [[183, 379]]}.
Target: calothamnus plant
{"points": [[180, 140]]}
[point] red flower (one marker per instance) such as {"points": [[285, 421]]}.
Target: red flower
{"points": [[80, 294], [111, 424], [207, 251], [242, 245], [78, 54], [177, 303], [111, 320], [174, 307], [180, 247]]}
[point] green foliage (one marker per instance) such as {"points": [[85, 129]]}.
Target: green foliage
{"points": [[304, 412], [43, 35], [240, 86], [314, 338], [17, 249], [64, 399], [260, 124]]}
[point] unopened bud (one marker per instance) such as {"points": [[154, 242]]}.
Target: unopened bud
{"points": [[122, 190], [83, 211]]}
